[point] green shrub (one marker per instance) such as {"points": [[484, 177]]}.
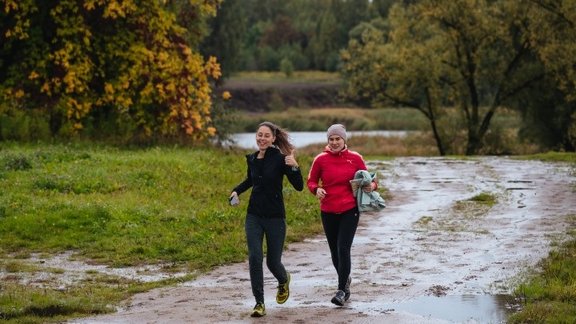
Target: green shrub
{"points": [[287, 67], [17, 163]]}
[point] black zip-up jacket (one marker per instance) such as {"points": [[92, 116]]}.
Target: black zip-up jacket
{"points": [[266, 176]]}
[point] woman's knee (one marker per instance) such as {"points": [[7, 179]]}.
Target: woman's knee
{"points": [[255, 258]]}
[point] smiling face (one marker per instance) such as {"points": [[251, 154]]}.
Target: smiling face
{"points": [[336, 143], [264, 137]]}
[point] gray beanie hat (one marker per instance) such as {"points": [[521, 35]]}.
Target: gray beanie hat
{"points": [[336, 129]]}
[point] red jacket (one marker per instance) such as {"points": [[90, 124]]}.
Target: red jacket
{"points": [[333, 172]]}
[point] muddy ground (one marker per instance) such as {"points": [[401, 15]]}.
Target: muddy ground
{"points": [[431, 256]]}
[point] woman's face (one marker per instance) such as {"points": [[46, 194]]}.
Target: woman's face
{"points": [[336, 143], [264, 137]]}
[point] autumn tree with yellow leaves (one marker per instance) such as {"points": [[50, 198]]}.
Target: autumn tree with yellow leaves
{"points": [[124, 63]]}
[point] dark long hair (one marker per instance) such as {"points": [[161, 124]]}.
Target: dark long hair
{"points": [[282, 138]]}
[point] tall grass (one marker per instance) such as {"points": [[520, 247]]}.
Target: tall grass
{"points": [[379, 147], [549, 296], [318, 119], [270, 78], [123, 208]]}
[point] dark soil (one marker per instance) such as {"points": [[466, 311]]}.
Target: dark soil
{"points": [[255, 96]]}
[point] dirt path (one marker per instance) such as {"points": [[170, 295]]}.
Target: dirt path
{"points": [[429, 242]]}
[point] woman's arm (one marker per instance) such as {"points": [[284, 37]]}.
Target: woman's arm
{"points": [[245, 184], [313, 181], [292, 171]]}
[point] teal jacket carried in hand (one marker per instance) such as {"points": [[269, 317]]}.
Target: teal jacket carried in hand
{"points": [[367, 201]]}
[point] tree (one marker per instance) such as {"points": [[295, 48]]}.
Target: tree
{"points": [[228, 30], [76, 60], [382, 7], [549, 107], [323, 44], [474, 55]]}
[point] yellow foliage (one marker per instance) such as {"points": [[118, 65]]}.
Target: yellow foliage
{"points": [[33, 75], [76, 110], [45, 88], [213, 68], [19, 94], [10, 5], [89, 5], [116, 9], [142, 71], [207, 6], [108, 88], [171, 87]]}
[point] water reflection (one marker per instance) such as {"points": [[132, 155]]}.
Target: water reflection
{"points": [[300, 139], [459, 309]]}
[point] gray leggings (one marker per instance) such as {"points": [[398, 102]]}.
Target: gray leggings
{"points": [[275, 231]]}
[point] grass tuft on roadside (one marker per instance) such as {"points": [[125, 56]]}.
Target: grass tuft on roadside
{"points": [[549, 296]]}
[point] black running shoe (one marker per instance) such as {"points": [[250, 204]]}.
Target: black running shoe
{"points": [[338, 299]]}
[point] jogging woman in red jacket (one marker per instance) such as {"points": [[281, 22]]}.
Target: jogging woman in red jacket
{"points": [[329, 179]]}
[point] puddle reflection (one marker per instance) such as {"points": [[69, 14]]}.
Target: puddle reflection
{"points": [[459, 309]]}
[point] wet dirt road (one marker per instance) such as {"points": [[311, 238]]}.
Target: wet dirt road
{"points": [[431, 256]]}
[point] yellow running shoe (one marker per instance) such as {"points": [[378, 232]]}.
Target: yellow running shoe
{"points": [[259, 310], [283, 291]]}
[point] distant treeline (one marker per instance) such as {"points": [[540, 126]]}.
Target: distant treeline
{"points": [[271, 35]]}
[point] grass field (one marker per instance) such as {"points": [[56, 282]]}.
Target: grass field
{"points": [[121, 208], [271, 78]]}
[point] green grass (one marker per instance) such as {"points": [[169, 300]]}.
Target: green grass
{"points": [[552, 157], [298, 76], [156, 204], [549, 296], [485, 198], [318, 119], [123, 208]]}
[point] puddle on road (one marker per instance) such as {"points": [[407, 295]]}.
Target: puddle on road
{"points": [[459, 309]]}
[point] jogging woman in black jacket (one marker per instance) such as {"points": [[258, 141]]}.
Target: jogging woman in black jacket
{"points": [[266, 214]]}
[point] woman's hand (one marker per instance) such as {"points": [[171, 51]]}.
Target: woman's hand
{"points": [[369, 187], [233, 199], [290, 160], [320, 193]]}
